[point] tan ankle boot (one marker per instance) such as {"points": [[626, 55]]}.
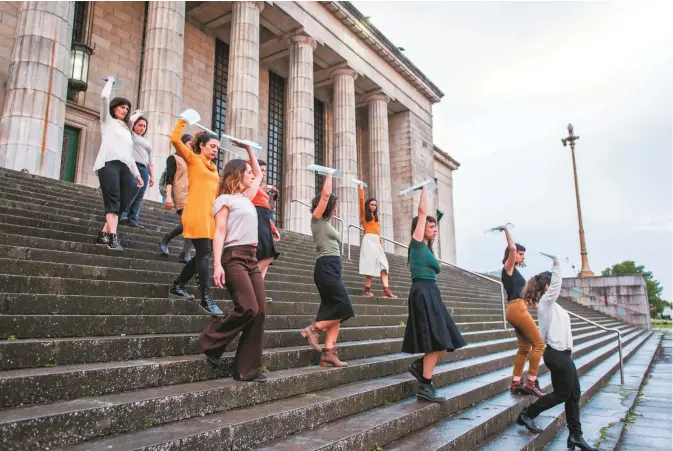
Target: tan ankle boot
{"points": [[330, 357], [388, 294], [312, 335]]}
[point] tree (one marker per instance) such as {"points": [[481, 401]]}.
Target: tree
{"points": [[654, 288]]}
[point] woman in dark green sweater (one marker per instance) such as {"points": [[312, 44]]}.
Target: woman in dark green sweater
{"points": [[430, 329]]}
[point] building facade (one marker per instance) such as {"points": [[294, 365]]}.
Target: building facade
{"points": [[313, 82]]}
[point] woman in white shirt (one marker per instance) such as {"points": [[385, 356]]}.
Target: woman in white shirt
{"points": [[236, 267], [142, 154], [543, 290], [117, 172]]}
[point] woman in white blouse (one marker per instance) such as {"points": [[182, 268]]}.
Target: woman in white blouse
{"points": [[542, 291], [116, 169]]}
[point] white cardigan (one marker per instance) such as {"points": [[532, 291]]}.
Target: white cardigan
{"points": [[116, 142]]}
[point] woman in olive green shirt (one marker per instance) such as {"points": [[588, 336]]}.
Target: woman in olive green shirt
{"points": [[430, 329], [335, 304]]}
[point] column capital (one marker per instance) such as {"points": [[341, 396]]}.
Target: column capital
{"points": [[343, 71], [302, 38], [259, 5], [376, 96]]}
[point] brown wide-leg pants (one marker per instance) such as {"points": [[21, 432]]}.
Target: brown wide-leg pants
{"points": [[246, 287]]}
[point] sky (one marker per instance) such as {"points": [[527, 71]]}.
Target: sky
{"points": [[514, 74]]}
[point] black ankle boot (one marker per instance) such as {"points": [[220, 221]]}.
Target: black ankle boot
{"points": [[428, 392], [416, 369], [114, 243], [207, 301], [576, 440], [525, 420], [183, 258], [103, 238], [178, 290]]}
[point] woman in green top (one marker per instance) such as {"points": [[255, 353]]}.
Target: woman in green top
{"points": [[430, 328], [335, 304]]}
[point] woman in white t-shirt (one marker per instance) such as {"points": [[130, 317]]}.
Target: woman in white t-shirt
{"points": [[236, 266]]}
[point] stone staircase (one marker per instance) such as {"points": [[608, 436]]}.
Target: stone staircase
{"points": [[95, 356]]}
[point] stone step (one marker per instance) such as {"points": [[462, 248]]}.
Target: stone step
{"points": [[247, 426], [44, 238], [295, 280], [45, 425], [31, 304], [452, 425], [605, 409], [36, 385], [280, 291]]}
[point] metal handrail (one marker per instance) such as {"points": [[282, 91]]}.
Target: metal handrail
{"points": [[502, 288], [619, 340], [341, 221]]}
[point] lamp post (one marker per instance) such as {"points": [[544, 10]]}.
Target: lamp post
{"points": [[570, 139]]}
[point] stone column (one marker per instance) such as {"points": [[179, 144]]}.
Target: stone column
{"points": [[242, 118], [345, 148], [379, 164], [161, 86], [299, 183], [33, 117]]}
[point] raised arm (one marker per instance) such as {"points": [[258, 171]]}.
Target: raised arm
{"points": [[218, 244], [256, 172], [554, 289], [105, 101], [419, 232], [324, 197], [181, 147], [511, 257], [361, 197]]}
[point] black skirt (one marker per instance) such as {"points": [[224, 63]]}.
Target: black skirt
{"points": [[430, 327], [334, 300], [266, 248]]}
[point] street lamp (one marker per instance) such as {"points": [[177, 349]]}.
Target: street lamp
{"points": [[78, 74], [585, 271]]}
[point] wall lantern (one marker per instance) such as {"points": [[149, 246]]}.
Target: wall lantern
{"points": [[78, 74]]}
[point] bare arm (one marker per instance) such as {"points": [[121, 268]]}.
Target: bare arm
{"points": [[105, 101], [324, 197], [256, 172], [419, 231], [361, 197], [218, 244], [511, 257]]}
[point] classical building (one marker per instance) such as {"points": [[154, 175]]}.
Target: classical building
{"points": [[313, 82]]}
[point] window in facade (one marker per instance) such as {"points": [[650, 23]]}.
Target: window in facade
{"points": [[319, 138], [274, 163], [220, 94], [79, 23]]}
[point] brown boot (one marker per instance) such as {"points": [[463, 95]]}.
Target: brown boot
{"points": [[388, 294], [517, 387], [368, 292], [312, 334], [330, 357], [532, 388]]}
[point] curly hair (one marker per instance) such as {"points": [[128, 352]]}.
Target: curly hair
{"points": [[536, 287], [232, 175], [117, 102], [201, 139], [329, 209], [369, 214], [519, 248]]}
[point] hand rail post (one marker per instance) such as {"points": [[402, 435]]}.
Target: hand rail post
{"points": [[619, 340]]}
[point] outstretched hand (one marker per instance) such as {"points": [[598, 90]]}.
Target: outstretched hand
{"points": [[218, 276]]}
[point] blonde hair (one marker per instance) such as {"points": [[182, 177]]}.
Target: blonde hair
{"points": [[232, 176]]}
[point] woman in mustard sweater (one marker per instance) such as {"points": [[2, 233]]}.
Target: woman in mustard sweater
{"points": [[197, 217], [373, 260]]}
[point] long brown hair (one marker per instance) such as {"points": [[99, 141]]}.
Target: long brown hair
{"points": [[536, 287], [232, 175]]}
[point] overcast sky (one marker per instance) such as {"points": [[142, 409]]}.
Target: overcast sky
{"points": [[514, 75]]}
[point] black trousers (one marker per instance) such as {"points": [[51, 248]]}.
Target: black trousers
{"points": [[200, 264], [118, 186], [566, 383]]}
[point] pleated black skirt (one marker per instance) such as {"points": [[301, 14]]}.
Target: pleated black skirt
{"points": [[430, 327], [334, 300], [266, 248]]}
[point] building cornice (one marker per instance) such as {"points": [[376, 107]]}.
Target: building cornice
{"points": [[445, 159], [351, 17]]}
